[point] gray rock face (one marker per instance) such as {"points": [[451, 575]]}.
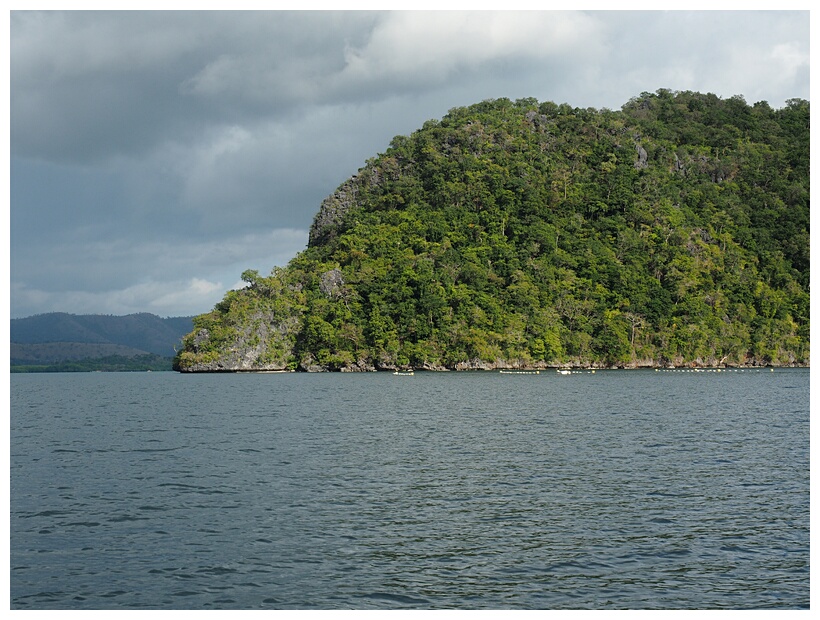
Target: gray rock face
{"points": [[332, 212], [309, 364], [334, 209], [359, 366], [642, 157], [263, 344], [202, 336], [331, 282]]}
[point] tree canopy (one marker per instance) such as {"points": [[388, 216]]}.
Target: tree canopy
{"points": [[527, 234]]}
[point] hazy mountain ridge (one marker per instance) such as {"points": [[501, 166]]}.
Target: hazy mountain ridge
{"points": [[59, 336], [55, 352]]}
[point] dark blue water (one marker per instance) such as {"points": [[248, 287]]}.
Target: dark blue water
{"points": [[613, 490]]}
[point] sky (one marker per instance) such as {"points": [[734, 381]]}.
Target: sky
{"points": [[155, 156]]}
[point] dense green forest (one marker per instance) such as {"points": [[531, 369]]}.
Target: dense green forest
{"points": [[524, 234]]}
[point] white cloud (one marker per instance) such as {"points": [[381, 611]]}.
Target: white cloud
{"points": [[165, 298], [196, 295], [789, 58], [428, 48]]}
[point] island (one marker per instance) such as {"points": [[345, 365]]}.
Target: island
{"points": [[532, 235]]}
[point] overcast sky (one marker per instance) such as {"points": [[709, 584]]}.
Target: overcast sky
{"points": [[157, 155]]}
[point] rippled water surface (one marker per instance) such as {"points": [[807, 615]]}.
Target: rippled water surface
{"points": [[613, 490]]}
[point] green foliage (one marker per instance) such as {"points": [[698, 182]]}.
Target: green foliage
{"points": [[675, 230]]}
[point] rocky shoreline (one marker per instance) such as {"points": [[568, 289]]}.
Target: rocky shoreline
{"points": [[483, 365]]}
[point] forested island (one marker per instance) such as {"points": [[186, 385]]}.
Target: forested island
{"points": [[519, 234]]}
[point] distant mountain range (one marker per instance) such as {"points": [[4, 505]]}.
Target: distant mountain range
{"points": [[57, 336]]}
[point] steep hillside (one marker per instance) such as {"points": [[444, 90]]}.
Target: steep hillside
{"points": [[527, 234]]}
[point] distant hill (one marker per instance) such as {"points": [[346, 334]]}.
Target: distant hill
{"points": [[58, 336], [56, 352]]}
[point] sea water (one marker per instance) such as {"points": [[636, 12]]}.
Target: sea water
{"points": [[480, 490]]}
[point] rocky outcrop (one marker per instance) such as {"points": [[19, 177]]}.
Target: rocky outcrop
{"points": [[642, 157], [332, 212], [264, 343], [331, 282]]}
